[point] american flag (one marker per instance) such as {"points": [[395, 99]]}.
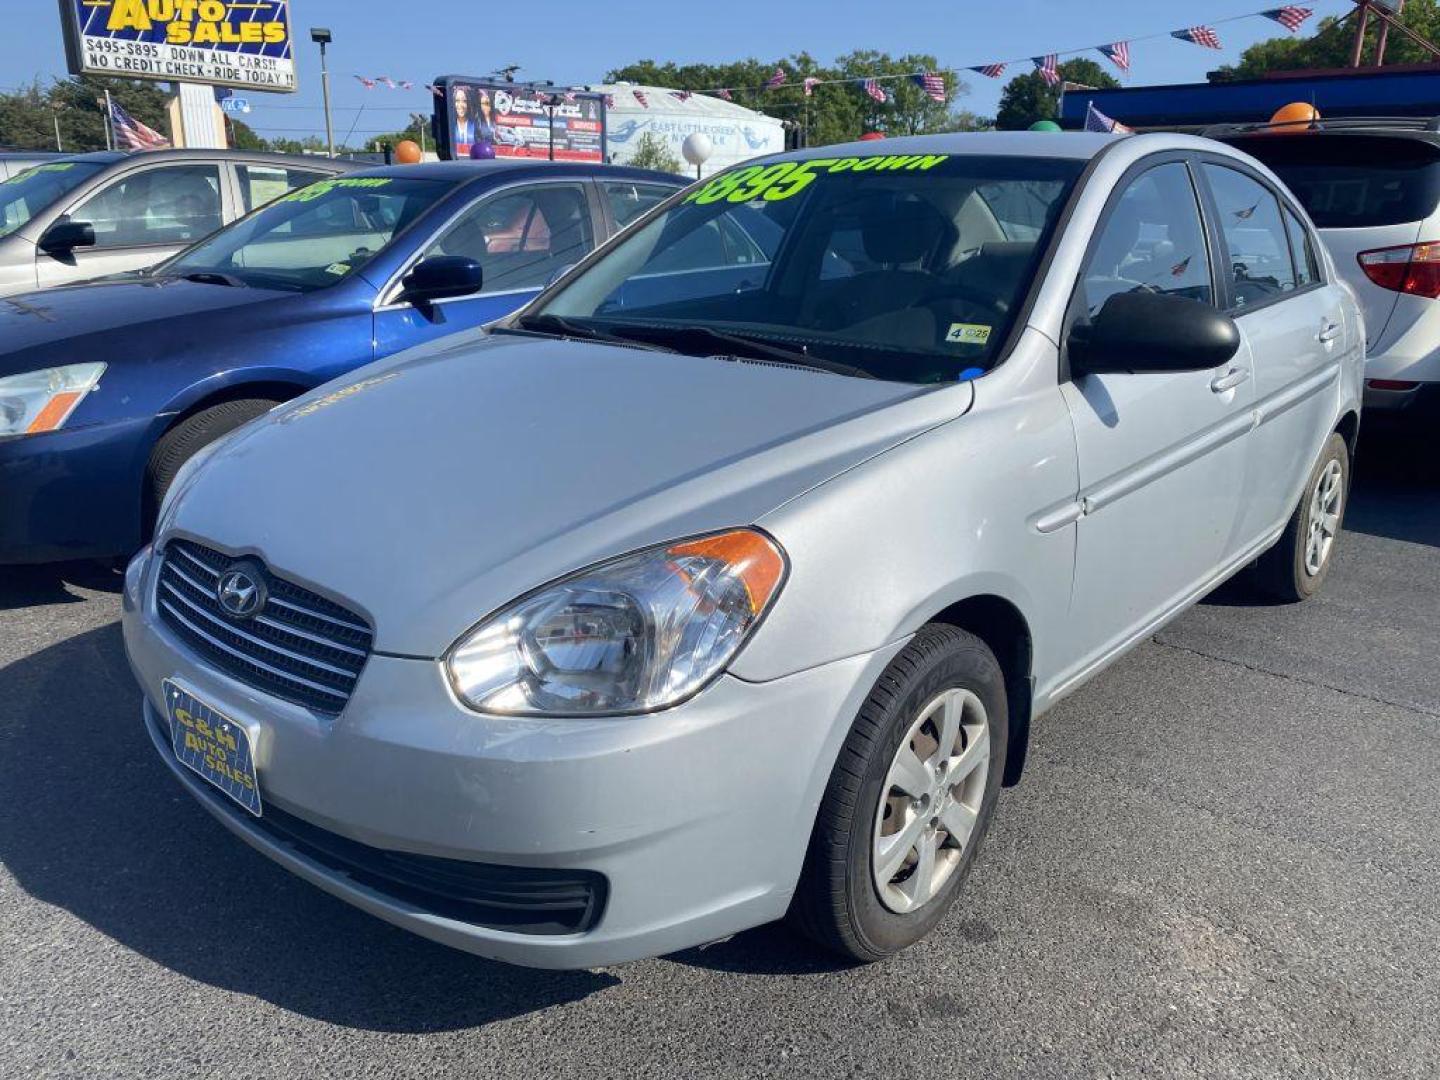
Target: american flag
{"points": [[876, 91], [1049, 68], [1095, 120], [680, 95], [724, 95], [436, 90], [609, 101], [385, 80], [1118, 53], [131, 133], [1290, 16], [778, 79], [406, 84], [1198, 35], [369, 84], [1178, 270], [641, 98], [932, 84], [810, 83], [990, 71]]}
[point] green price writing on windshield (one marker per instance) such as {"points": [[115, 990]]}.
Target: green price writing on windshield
{"points": [[58, 166], [786, 178], [324, 187]]}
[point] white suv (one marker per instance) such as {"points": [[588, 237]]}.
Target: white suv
{"points": [[1373, 189]]}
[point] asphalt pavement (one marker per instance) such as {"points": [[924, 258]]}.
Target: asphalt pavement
{"points": [[1224, 861]]}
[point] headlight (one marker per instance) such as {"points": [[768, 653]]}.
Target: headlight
{"points": [[635, 634], [43, 400]]}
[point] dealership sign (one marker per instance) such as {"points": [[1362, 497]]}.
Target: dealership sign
{"points": [[486, 118], [220, 42]]}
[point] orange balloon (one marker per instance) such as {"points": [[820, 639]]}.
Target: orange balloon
{"points": [[1296, 116], [407, 152]]}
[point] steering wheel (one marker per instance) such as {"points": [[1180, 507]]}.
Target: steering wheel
{"points": [[967, 294]]}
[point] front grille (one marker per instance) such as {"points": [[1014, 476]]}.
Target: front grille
{"points": [[299, 646]]}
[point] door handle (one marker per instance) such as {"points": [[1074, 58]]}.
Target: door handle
{"points": [[1328, 332], [1229, 380]]}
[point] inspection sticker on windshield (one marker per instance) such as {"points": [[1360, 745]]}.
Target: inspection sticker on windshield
{"points": [[966, 333], [338, 268]]}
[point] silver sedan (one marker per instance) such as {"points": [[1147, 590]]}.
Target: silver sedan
{"points": [[725, 582]]}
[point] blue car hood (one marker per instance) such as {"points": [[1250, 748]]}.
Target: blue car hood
{"points": [[36, 326], [432, 488]]}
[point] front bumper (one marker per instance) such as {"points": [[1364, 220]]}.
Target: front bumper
{"points": [[696, 818], [72, 494]]}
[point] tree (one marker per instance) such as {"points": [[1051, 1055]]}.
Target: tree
{"points": [[1331, 44], [652, 153], [27, 116], [1027, 99]]}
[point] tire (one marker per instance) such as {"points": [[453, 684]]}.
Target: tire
{"points": [[840, 902], [1289, 571], [180, 443]]}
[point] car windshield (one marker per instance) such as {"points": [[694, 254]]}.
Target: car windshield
{"points": [[907, 267], [26, 194], [313, 237]]}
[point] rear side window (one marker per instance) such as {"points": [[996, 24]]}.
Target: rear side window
{"points": [[1260, 261], [1354, 182], [261, 184], [1307, 270]]}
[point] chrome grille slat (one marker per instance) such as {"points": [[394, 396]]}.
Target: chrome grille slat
{"points": [[238, 630], [312, 613], [300, 646], [217, 643]]}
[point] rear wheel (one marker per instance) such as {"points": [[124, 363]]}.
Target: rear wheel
{"points": [[180, 443], [910, 799], [1297, 566]]}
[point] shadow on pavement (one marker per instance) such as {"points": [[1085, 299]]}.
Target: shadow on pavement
{"points": [[28, 586], [94, 824], [1396, 491]]}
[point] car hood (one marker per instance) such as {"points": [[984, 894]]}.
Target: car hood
{"points": [[63, 317], [431, 489]]}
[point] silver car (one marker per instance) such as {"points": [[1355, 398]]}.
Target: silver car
{"points": [[726, 581], [1373, 188], [82, 216]]}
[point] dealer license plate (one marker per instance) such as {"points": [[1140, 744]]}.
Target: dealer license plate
{"points": [[211, 744]]}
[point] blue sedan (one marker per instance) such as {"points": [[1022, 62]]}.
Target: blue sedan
{"points": [[107, 388]]}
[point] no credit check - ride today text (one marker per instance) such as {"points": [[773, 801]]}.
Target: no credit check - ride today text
{"points": [[154, 60]]}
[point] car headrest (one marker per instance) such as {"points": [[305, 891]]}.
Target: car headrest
{"points": [[903, 231]]}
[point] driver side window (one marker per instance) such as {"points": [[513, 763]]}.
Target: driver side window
{"points": [[522, 236], [1152, 241]]}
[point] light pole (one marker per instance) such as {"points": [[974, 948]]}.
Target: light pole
{"points": [[322, 37]]}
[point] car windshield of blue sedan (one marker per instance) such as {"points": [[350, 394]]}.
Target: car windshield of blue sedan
{"points": [[907, 267], [312, 237], [25, 195]]}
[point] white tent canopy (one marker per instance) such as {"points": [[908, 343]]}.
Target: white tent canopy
{"points": [[735, 132]]}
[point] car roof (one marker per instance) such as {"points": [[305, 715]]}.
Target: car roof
{"points": [[518, 169], [307, 161], [1079, 145]]}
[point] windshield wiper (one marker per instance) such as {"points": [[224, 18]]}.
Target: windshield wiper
{"points": [[214, 277], [755, 348], [559, 326]]}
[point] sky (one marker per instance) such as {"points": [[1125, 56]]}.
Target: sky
{"points": [[569, 42]]}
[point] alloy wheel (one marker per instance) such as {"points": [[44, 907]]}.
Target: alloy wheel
{"points": [[1324, 517], [930, 802]]}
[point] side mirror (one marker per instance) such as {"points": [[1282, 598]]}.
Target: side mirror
{"points": [[440, 277], [66, 235], [1139, 332]]}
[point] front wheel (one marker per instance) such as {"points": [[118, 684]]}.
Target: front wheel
{"points": [[1297, 566], [910, 799]]}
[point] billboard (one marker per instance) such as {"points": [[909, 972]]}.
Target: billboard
{"points": [[220, 42], [484, 118]]}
